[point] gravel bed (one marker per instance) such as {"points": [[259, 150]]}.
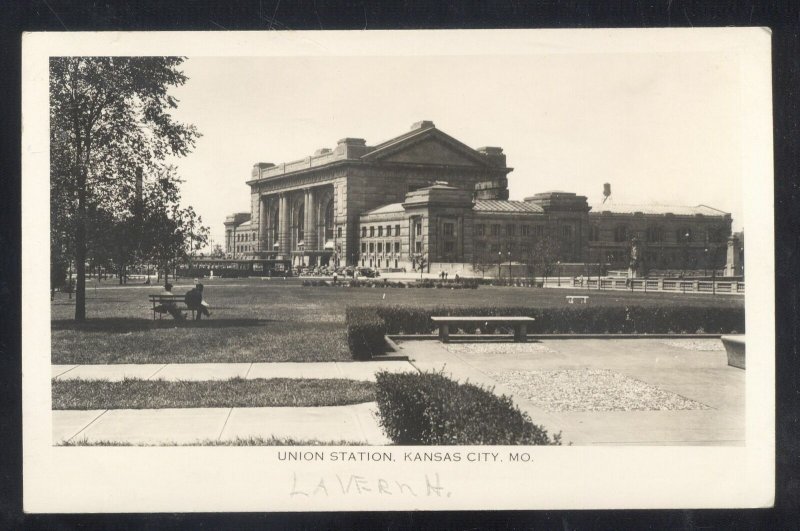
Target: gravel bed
{"points": [[497, 348], [696, 344], [591, 390]]}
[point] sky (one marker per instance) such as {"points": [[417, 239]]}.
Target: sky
{"points": [[662, 128]]}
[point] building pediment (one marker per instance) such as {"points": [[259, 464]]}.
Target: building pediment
{"points": [[429, 146]]}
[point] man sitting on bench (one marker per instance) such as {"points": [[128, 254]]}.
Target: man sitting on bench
{"points": [[194, 301], [170, 307]]}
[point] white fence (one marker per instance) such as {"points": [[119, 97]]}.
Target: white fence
{"points": [[734, 287]]}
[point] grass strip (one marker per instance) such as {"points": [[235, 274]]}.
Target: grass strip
{"points": [[235, 392], [238, 441]]}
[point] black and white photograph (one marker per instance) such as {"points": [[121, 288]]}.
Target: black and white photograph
{"points": [[325, 270]]}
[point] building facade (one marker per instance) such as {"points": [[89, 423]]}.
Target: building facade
{"points": [[426, 198]]}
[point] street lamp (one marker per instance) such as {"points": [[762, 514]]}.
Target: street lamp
{"points": [[499, 259], [558, 264], [509, 267]]}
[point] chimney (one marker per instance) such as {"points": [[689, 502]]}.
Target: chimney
{"points": [[606, 191], [424, 124]]}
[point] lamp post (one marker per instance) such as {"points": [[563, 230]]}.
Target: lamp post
{"points": [[558, 264], [499, 259], [509, 267]]}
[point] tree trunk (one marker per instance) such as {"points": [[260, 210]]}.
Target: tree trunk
{"points": [[80, 231]]}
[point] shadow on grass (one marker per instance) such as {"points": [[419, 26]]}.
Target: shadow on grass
{"points": [[127, 324]]}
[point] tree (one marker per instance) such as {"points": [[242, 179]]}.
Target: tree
{"points": [[110, 122], [548, 250], [217, 251]]}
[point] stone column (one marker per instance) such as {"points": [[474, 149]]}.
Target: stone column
{"points": [[310, 221], [263, 212], [284, 227]]}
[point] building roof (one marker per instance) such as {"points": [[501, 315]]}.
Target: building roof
{"points": [[678, 210], [385, 209], [496, 205]]}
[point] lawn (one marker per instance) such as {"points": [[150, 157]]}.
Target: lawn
{"points": [[239, 441], [258, 320], [236, 392]]}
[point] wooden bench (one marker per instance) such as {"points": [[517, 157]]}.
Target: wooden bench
{"points": [[583, 298], [520, 325], [160, 302]]}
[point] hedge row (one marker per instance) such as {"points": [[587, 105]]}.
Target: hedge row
{"points": [[578, 319], [430, 408], [365, 332]]}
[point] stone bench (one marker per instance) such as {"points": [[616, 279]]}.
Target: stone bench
{"points": [[520, 325], [734, 346], [583, 298]]}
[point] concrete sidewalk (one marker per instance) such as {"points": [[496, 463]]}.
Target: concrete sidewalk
{"points": [[353, 423], [356, 370], [714, 391]]}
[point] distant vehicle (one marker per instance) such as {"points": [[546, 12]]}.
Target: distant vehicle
{"points": [[368, 272], [348, 271]]}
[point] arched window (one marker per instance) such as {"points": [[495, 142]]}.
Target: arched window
{"points": [[329, 221], [621, 233]]}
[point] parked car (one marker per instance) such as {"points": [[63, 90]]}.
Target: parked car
{"points": [[368, 272]]}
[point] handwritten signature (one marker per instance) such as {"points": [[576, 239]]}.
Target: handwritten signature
{"points": [[353, 484]]}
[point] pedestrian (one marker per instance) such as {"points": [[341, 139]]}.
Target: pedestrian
{"points": [[170, 307], [194, 301]]}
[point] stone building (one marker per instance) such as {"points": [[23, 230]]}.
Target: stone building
{"points": [[426, 196]]}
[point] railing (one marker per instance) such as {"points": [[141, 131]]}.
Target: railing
{"points": [[649, 284]]}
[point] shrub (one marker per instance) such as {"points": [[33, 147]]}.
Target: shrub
{"points": [[577, 319], [365, 332], [430, 408]]}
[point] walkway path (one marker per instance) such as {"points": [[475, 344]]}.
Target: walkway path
{"points": [[645, 373], [355, 423]]}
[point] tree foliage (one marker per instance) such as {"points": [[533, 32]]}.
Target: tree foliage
{"points": [[111, 135]]}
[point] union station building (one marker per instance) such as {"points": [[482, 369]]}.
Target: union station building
{"points": [[425, 198]]}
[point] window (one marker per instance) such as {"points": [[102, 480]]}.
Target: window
{"points": [[339, 232], [621, 233], [418, 247], [363, 232], [363, 247], [510, 230], [449, 230], [397, 247], [449, 247], [418, 228], [684, 235], [380, 247], [480, 230], [526, 230], [371, 231], [371, 247], [655, 234], [594, 233], [397, 230], [380, 230], [495, 230], [389, 230]]}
